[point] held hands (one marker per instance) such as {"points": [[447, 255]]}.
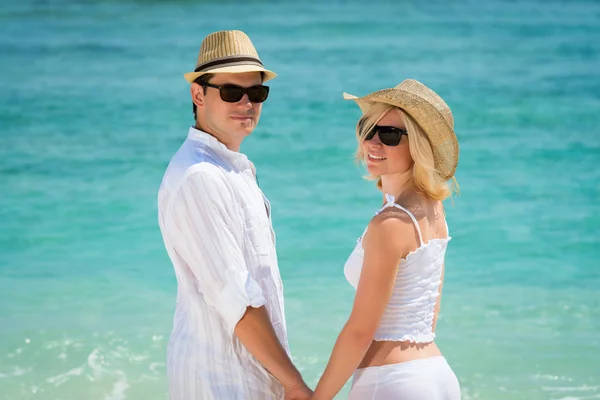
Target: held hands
{"points": [[298, 391]]}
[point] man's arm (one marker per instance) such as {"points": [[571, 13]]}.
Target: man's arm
{"points": [[258, 336]]}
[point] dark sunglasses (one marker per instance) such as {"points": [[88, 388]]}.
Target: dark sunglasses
{"points": [[234, 93], [389, 135]]}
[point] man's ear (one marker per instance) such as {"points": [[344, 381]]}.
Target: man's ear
{"points": [[197, 93]]}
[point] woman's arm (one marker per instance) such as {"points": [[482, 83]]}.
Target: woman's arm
{"points": [[384, 249]]}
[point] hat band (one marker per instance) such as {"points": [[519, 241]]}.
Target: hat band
{"points": [[228, 62]]}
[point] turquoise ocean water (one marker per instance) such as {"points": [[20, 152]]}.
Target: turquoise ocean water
{"points": [[93, 104]]}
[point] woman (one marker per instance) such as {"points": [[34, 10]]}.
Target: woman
{"points": [[407, 141]]}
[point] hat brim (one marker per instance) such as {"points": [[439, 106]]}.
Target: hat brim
{"points": [[439, 132], [233, 69]]}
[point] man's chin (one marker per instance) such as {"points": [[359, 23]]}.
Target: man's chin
{"points": [[245, 129]]}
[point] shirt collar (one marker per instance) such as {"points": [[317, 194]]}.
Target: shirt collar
{"points": [[235, 158]]}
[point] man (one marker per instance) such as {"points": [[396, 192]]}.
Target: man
{"points": [[229, 338]]}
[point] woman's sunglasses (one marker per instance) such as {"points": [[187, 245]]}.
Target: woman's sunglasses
{"points": [[234, 93], [389, 135]]}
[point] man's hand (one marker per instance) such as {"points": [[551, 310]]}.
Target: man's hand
{"points": [[298, 391]]}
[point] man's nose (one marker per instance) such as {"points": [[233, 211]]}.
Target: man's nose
{"points": [[245, 100]]}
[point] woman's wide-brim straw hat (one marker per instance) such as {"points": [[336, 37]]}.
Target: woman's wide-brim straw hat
{"points": [[228, 52], [431, 113]]}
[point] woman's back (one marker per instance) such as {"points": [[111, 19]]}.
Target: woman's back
{"points": [[406, 329]]}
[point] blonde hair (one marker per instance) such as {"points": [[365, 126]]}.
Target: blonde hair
{"points": [[425, 178]]}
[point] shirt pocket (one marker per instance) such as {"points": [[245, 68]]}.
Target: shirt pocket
{"points": [[258, 234]]}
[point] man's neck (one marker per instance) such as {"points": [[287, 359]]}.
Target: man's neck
{"points": [[231, 146]]}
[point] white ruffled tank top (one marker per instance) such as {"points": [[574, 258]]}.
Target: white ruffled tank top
{"points": [[409, 313]]}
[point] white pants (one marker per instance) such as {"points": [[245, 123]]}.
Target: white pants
{"points": [[424, 379]]}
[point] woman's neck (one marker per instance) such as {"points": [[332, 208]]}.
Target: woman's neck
{"points": [[396, 184]]}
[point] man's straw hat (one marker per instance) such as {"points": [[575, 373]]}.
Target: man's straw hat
{"points": [[228, 51]]}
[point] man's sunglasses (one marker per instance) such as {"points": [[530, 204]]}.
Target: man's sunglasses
{"points": [[389, 135], [234, 93]]}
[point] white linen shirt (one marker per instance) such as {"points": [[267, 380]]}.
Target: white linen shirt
{"points": [[216, 225]]}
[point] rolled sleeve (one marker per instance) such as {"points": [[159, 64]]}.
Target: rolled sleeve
{"points": [[240, 292], [208, 233]]}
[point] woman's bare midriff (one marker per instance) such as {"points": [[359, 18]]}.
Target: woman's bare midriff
{"points": [[389, 352]]}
